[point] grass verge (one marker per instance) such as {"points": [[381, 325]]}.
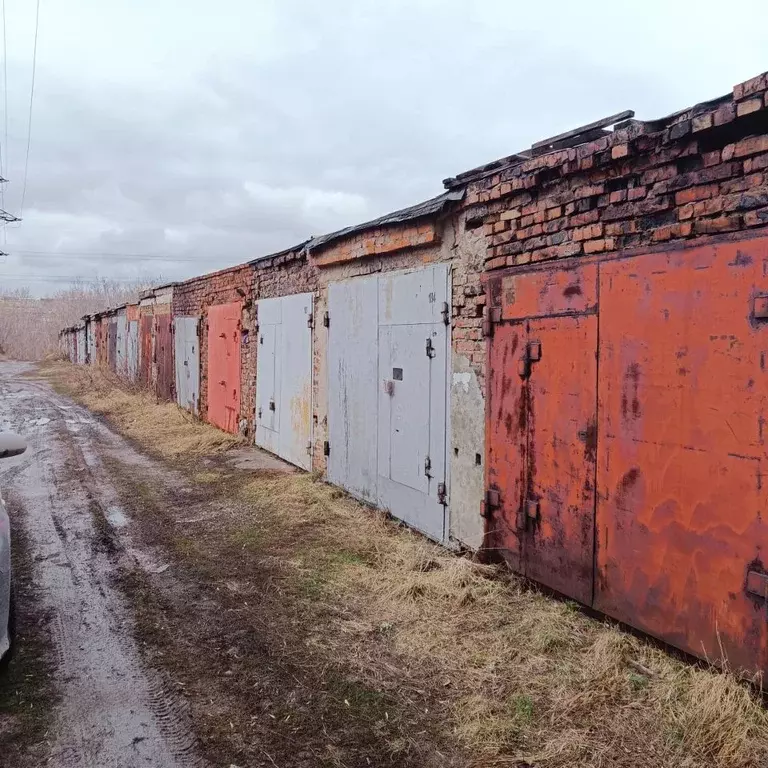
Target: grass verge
{"points": [[307, 630]]}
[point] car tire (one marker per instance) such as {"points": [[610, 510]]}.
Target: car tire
{"points": [[11, 631]]}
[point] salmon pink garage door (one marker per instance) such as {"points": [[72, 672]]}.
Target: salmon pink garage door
{"points": [[224, 365]]}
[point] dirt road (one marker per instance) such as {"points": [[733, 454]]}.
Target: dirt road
{"points": [[112, 712]]}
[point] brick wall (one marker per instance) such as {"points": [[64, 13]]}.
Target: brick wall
{"points": [[700, 172], [193, 297]]}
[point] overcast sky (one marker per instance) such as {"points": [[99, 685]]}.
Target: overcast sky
{"points": [[216, 132]]}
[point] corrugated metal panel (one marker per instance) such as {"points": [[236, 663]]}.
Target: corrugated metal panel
{"points": [[187, 349], [284, 378], [388, 379], [165, 373], [224, 365], [146, 323], [132, 351]]}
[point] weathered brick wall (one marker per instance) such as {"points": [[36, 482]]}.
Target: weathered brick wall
{"points": [[193, 298], [699, 172]]}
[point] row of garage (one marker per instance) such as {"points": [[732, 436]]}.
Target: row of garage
{"points": [[560, 362], [293, 349]]}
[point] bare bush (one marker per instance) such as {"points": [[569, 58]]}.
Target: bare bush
{"points": [[29, 327]]}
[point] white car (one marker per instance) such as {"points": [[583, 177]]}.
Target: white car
{"points": [[10, 445]]}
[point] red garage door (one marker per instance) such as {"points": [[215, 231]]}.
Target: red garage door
{"points": [[224, 365]]}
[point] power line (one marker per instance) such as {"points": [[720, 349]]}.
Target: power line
{"points": [[31, 100]]}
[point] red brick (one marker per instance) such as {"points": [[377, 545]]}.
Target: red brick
{"points": [[720, 224], [510, 215], [725, 113], [554, 213], [752, 145], [756, 163], [496, 263], [598, 246], [662, 173], [686, 212], [748, 107], [702, 122], [728, 151], [620, 150], [534, 231], [619, 196], [750, 87], [588, 233], [588, 191], [580, 219], [500, 226], [711, 158], [636, 193], [693, 194]]}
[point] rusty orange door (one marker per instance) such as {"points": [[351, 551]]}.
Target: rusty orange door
{"points": [[541, 427], [682, 536], [224, 365]]}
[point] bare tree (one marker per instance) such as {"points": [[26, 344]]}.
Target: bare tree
{"points": [[29, 327]]}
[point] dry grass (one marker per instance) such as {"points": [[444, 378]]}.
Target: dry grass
{"points": [[164, 429], [510, 676]]}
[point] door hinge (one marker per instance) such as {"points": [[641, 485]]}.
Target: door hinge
{"points": [[442, 494], [310, 320], [326, 320], [528, 512], [492, 316], [428, 467], [431, 352], [531, 354], [446, 313], [491, 501], [309, 447], [259, 414], [326, 448], [271, 405]]}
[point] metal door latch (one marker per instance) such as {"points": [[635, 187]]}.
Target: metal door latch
{"points": [[531, 354], [271, 405], [527, 513], [431, 352]]}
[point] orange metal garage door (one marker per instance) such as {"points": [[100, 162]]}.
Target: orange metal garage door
{"points": [[632, 480], [224, 365], [541, 427], [681, 516]]}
